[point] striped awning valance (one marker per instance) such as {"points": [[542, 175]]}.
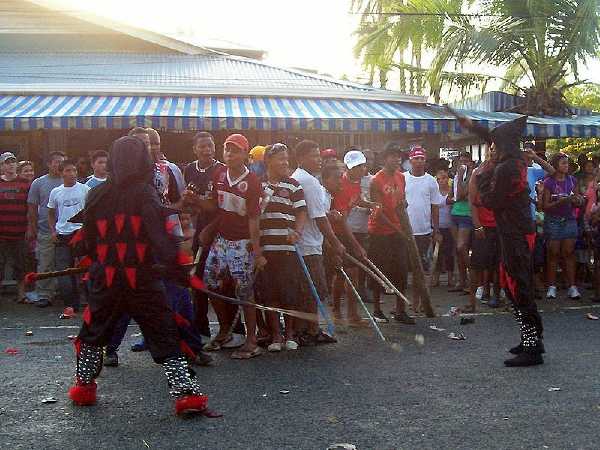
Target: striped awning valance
{"points": [[258, 113]]}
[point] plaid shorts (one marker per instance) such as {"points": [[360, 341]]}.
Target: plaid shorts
{"points": [[230, 259]]}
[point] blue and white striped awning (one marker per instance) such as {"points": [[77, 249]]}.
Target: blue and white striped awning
{"points": [[258, 113]]}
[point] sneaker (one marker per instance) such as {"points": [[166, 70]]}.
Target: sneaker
{"points": [[139, 347], [43, 303], [236, 341], [68, 313], [111, 359], [404, 318], [275, 347], [479, 293], [551, 294], [291, 345], [380, 317], [494, 302], [573, 293]]}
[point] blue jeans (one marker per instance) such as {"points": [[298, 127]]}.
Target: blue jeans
{"points": [[68, 289]]}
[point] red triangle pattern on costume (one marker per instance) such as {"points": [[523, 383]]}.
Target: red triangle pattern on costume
{"points": [[101, 250], [181, 321], [197, 283], [85, 262], [140, 249], [183, 258], [130, 273], [102, 225], [119, 222], [77, 237], [87, 315], [121, 250], [136, 224], [109, 271], [77, 345]]}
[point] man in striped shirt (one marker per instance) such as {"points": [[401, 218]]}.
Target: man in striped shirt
{"points": [[13, 220], [282, 218]]}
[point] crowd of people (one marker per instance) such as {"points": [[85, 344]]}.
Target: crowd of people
{"points": [[271, 226]]}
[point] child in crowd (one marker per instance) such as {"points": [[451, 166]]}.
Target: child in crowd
{"points": [[447, 249]]}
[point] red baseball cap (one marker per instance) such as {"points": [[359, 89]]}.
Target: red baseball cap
{"points": [[239, 140], [328, 153], [417, 152]]}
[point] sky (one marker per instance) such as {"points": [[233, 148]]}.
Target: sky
{"points": [[311, 34]]}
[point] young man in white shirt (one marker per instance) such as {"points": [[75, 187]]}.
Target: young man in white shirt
{"points": [[310, 244], [99, 166], [423, 198], [65, 202]]}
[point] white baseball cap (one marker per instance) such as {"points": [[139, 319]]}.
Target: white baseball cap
{"points": [[354, 158], [6, 156]]}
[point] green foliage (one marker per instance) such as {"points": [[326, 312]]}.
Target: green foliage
{"points": [[538, 43], [588, 97]]}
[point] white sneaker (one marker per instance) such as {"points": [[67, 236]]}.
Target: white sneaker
{"points": [[275, 347], [291, 345], [236, 341], [551, 294], [573, 293], [479, 293]]}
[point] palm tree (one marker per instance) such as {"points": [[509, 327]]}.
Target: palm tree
{"points": [[538, 44], [394, 34]]}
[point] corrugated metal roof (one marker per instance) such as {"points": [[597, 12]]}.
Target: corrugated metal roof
{"points": [[496, 101], [171, 74]]}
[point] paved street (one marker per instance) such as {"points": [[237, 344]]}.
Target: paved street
{"points": [[442, 394]]}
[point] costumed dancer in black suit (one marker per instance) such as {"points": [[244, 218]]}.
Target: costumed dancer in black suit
{"points": [[126, 235], [503, 188]]}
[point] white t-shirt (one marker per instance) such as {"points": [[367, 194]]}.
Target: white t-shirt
{"points": [[421, 193], [317, 205], [67, 201], [445, 212], [358, 217]]}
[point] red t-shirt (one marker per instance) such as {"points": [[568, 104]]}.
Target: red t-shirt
{"points": [[345, 199], [391, 193], [237, 201]]}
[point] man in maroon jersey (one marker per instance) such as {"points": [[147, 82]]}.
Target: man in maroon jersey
{"points": [[13, 220]]}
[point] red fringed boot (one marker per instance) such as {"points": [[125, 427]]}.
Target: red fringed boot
{"points": [[188, 396], [83, 394], [191, 404]]}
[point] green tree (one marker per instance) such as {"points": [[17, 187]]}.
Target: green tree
{"points": [[538, 44], [587, 97], [394, 35]]}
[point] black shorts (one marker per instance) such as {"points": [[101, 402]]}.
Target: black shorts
{"points": [[278, 283], [485, 253], [389, 254]]}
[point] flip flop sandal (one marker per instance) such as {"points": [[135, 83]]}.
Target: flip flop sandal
{"points": [[215, 345], [247, 355]]}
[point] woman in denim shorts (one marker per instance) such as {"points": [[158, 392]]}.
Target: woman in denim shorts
{"points": [[560, 225]]}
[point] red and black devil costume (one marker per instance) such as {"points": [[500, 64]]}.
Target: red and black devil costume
{"points": [[503, 188], [126, 235]]}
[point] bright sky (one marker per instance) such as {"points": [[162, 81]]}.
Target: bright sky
{"points": [[312, 34]]}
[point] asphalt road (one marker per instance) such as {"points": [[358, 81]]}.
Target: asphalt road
{"points": [[443, 394]]}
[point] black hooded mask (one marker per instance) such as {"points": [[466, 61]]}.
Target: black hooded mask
{"points": [[507, 137], [130, 162]]}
